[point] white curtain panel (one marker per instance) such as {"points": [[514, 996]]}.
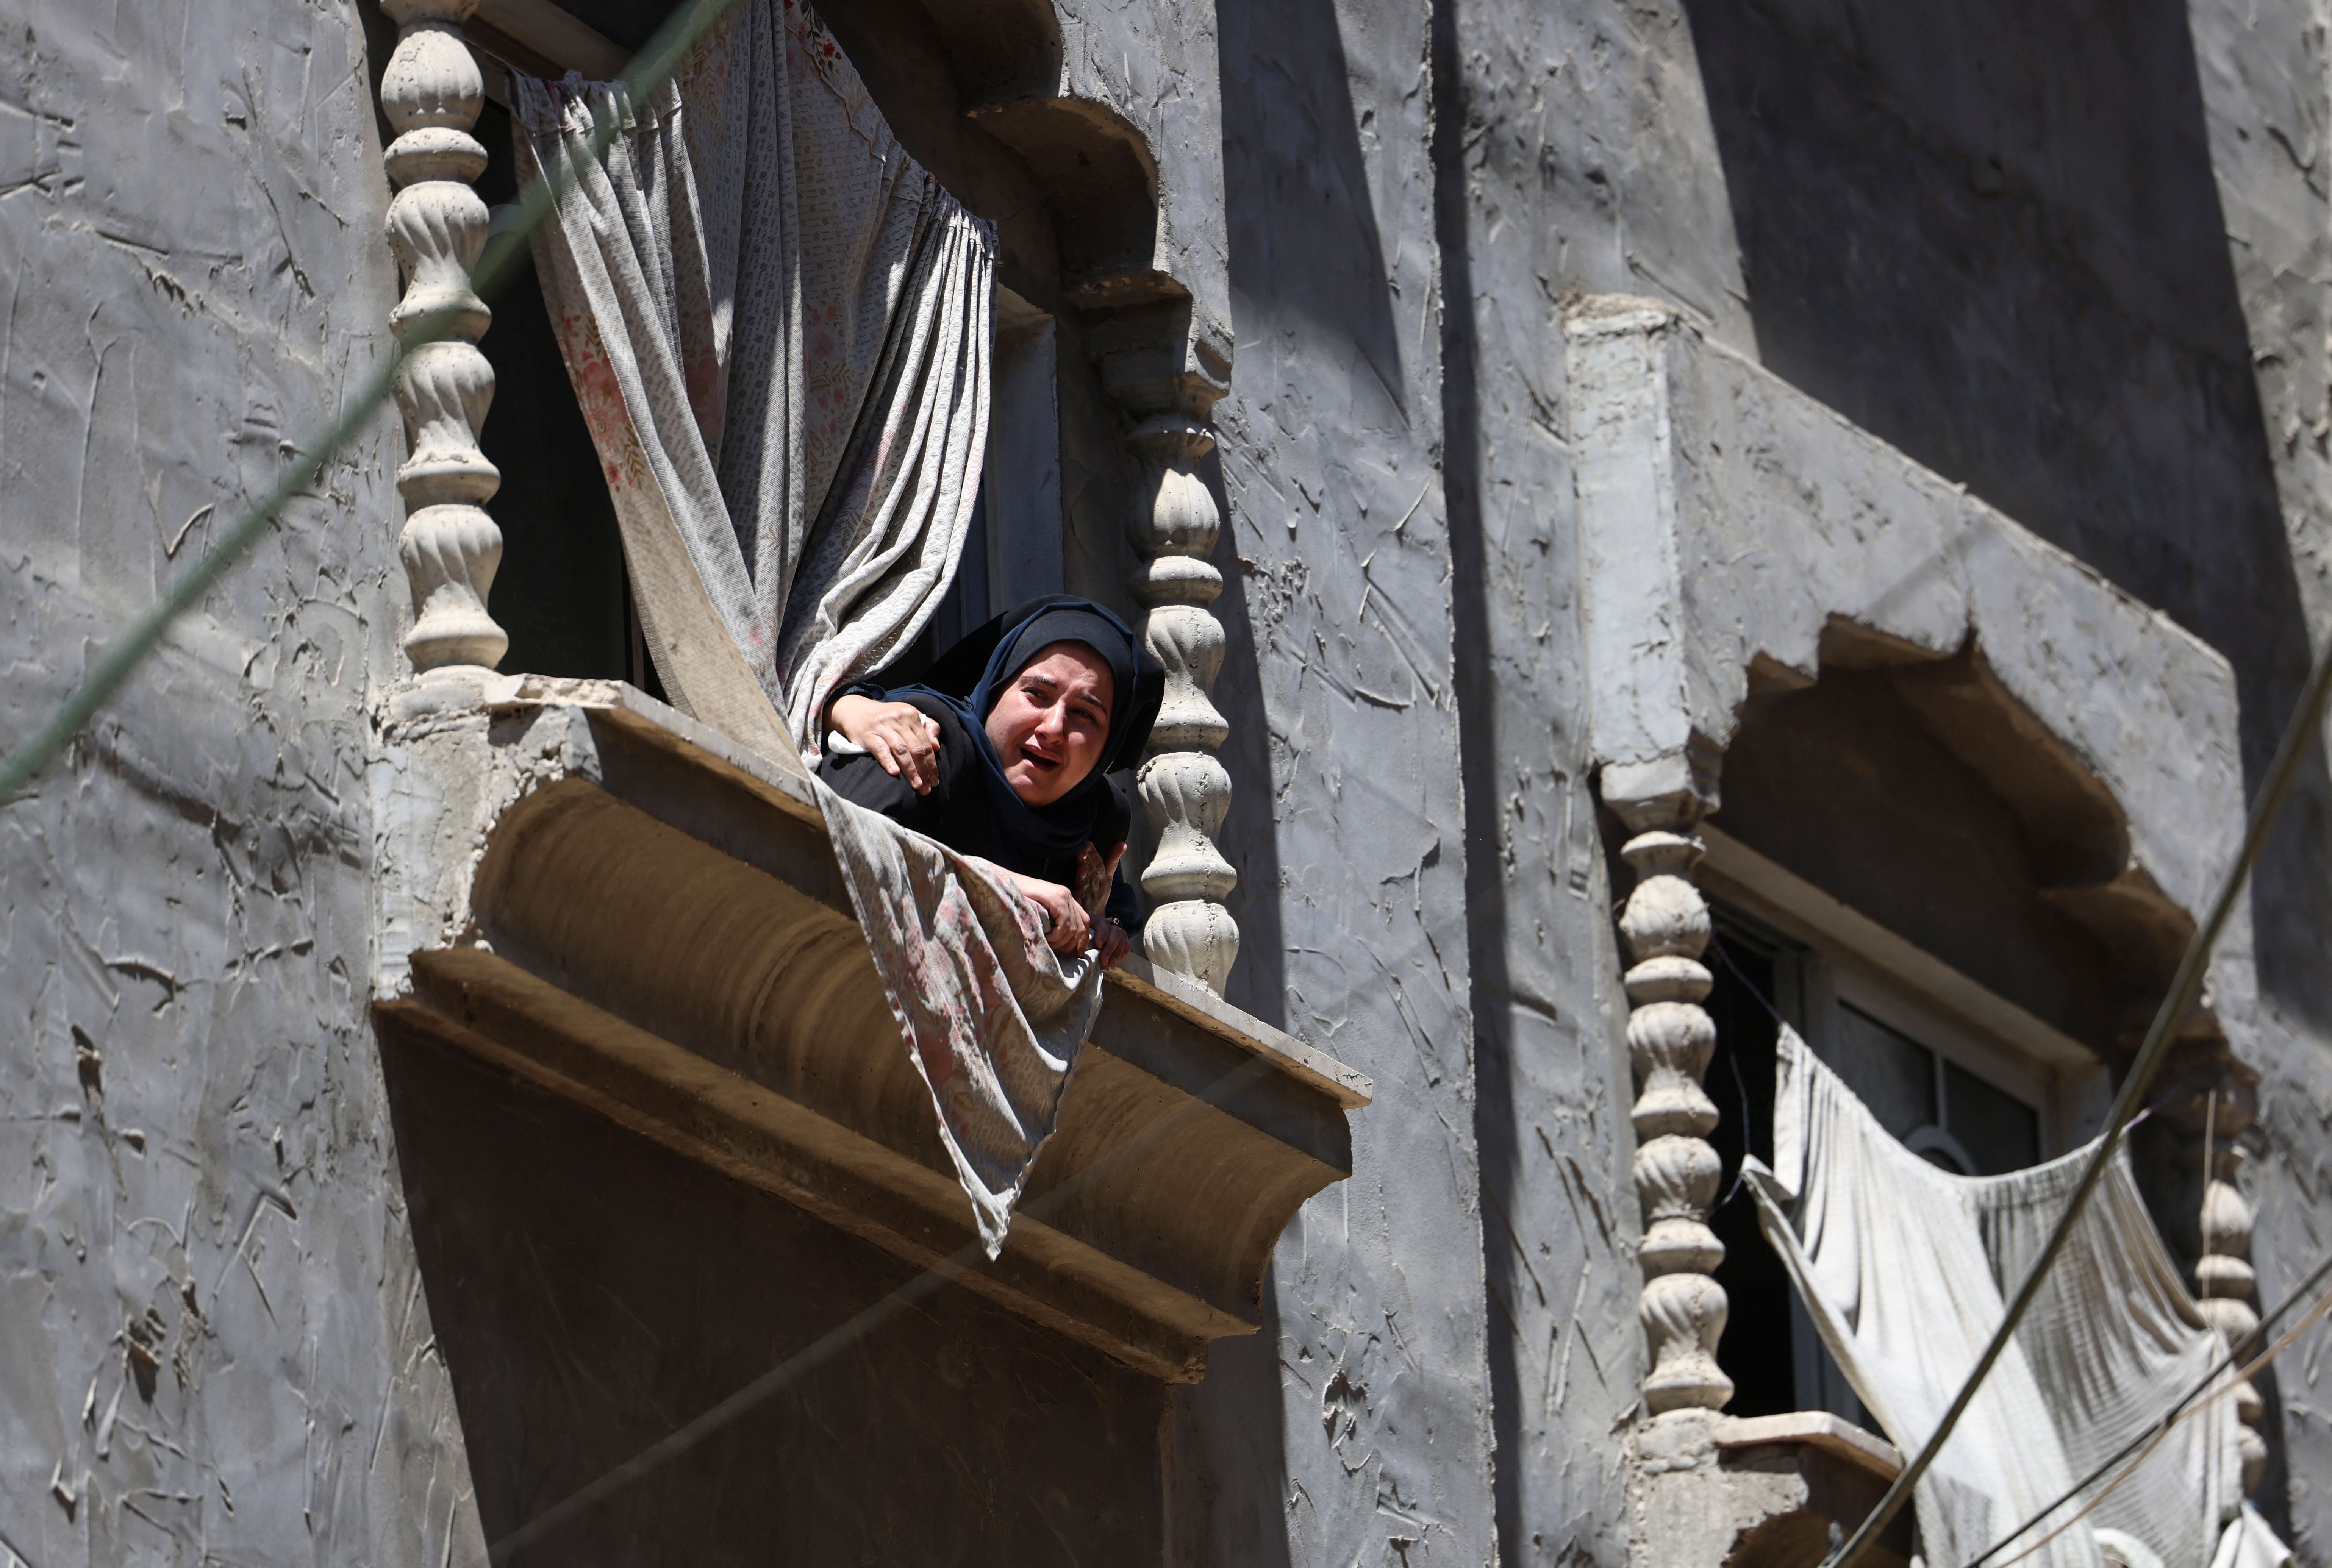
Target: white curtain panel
{"points": [[995, 1019], [778, 326], [1905, 1269]]}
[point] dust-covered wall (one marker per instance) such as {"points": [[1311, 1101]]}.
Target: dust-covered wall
{"points": [[213, 1340], [2267, 104], [2075, 257], [212, 1334], [1574, 156], [1364, 1435]]}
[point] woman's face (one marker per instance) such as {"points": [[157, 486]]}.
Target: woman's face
{"points": [[1050, 724]]}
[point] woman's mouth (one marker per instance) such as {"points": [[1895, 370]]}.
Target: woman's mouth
{"points": [[1039, 761]]}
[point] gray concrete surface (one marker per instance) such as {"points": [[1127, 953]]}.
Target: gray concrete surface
{"points": [[1348, 826], [2072, 259], [2094, 293], [214, 1340]]}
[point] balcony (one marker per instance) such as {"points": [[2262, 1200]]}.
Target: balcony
{"points": [[606, 898]]}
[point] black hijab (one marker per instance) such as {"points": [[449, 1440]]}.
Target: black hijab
{"points": [[974, 674]]}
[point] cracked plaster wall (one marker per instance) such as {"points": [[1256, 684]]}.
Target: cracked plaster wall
{"points": [[2267, 103], [1574, 156], [1362, 1435], [1413, 191], [1153, 62], [1399, 546], [213, 1339], [2076, 257]]}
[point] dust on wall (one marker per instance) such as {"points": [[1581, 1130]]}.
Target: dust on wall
{"points": [[211, 1330]]}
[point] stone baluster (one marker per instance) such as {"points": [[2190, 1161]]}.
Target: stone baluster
{"points": [[1670, 1037], [430, 93], [2224, 1278], [1184, 788]]}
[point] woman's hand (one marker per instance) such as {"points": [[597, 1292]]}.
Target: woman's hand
{"points": [[1071, 926], [898, 735], [1074, 930]]}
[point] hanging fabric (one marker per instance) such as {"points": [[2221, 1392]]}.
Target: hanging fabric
{"points": [[1905, 1269], [993, 1017], [2250, 1543], [778, 326]]}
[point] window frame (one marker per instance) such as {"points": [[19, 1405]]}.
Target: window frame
{"points": [[1826, 956], [1848, 959]]}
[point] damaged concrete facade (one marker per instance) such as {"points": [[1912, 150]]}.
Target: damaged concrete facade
{"points": [[1889, 448]]}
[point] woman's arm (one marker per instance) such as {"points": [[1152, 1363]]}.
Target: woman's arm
{"points": [[1072, 930], [900, 736]]}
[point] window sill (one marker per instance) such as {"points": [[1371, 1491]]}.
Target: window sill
{"points": [[624, 907], [1757, 1491]]}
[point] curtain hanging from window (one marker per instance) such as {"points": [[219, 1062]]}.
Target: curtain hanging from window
{"points": [[778, 326], [1905, 1269]]}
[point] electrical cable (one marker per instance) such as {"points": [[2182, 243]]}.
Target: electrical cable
{"points": [[2187, 985], [1740, 1085], [2314, 1276], [647, 73], [650, 70]]}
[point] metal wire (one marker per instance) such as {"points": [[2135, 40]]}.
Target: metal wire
{"points": [[2298, 734], [2155, 1439], [649, 71]]}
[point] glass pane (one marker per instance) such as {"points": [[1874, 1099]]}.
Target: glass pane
{"points": [[1893, 1074], [2000, 1132]]}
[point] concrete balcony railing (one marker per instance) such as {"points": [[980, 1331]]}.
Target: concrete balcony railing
{"points": [[1164, 381], [593, 892]]}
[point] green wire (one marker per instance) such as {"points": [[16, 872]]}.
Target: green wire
{"points": [[649, 71]]}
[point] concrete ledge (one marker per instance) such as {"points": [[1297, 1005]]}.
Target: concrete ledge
{"points": [[588, 890], [1737, 536], [1813, 1430], [1712, 1491]]}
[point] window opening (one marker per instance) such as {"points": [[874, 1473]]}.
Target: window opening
{"points": [[1938, 1108], [1020, 485], [1012, 550], [1942, 1108], [561, 591], [1757, 1351]]}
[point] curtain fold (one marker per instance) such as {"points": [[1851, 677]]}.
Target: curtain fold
{"points": [[778, 326], [994, 1018], [1905, 1269]]}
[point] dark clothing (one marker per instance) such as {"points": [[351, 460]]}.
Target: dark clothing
{"points": [[976, 669], [973, 809], [958, 812]]}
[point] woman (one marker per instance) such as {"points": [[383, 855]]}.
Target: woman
{"points": [[1002, 753]]}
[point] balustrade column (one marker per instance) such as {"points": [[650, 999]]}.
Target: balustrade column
{"points": [[1670, 1038], [430, 93], [1185, 791], [2223, 1277]]}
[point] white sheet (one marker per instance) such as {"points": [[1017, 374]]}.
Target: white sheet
{"points": [[778, 326], [1905, 1268]]}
